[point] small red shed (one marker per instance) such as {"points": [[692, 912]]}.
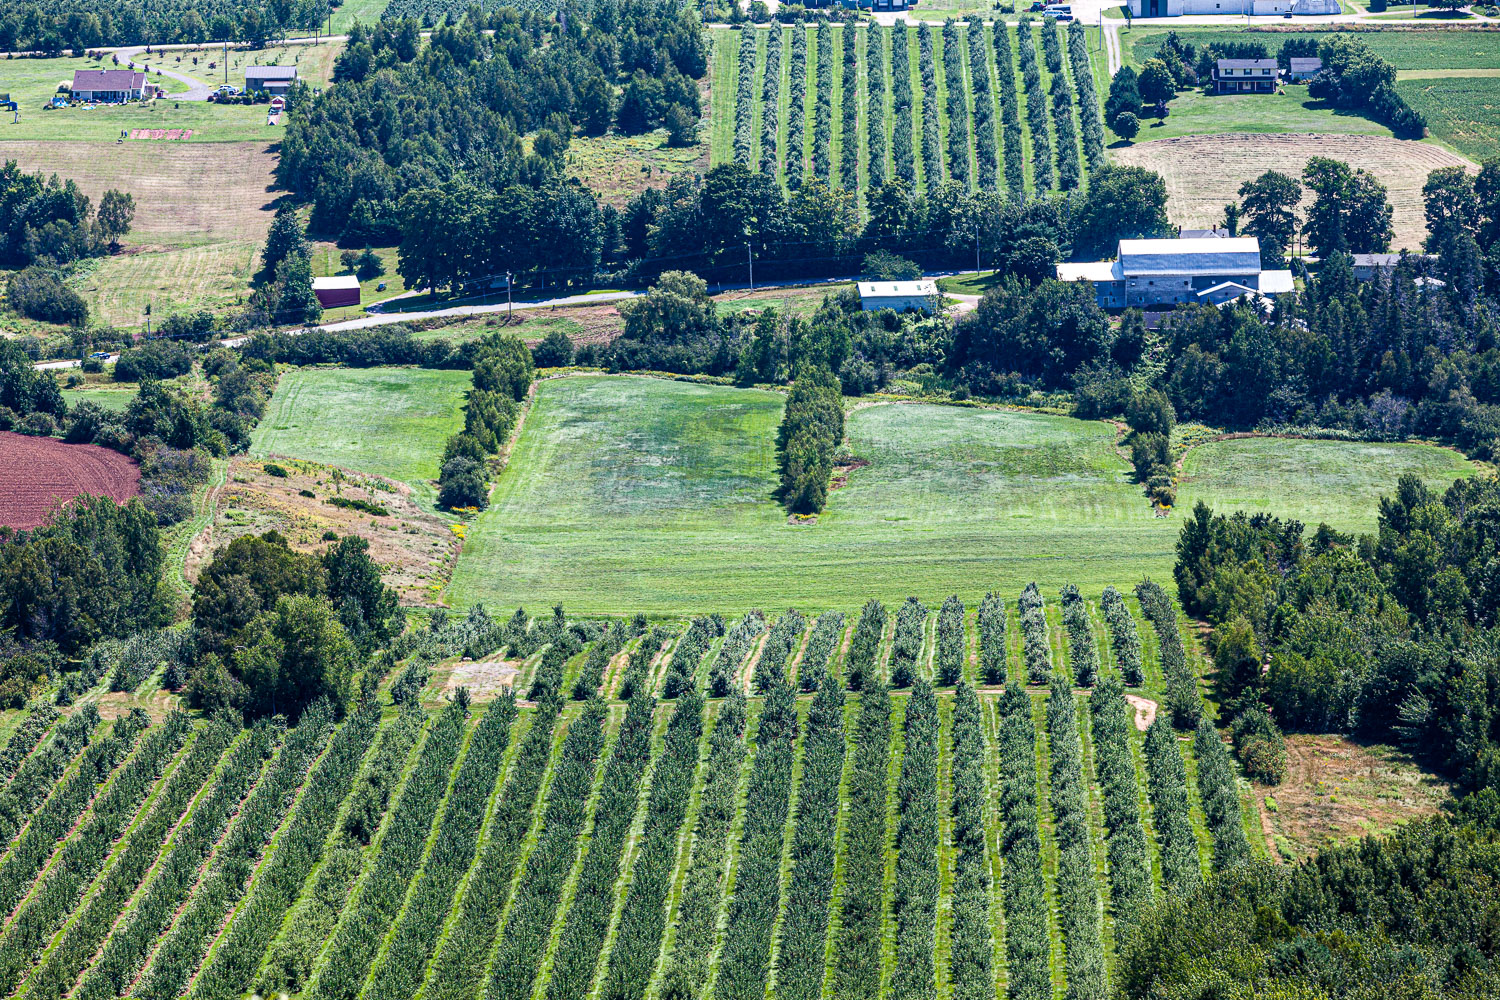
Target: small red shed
{"points": [[336, 292]]}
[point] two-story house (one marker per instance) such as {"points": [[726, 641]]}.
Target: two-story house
{"points": [[1246, 76]]}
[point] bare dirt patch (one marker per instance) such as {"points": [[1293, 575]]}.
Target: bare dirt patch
{"points": [[1337, 790], [39, 473], [485, 679], [185, 193], [1203, 173], [416, 549], [1145, 711]]}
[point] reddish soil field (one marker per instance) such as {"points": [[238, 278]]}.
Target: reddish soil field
{"points": [[38, 473]]}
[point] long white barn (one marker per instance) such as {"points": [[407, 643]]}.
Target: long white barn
{"points": [[1264, 8], [1210, 269]]}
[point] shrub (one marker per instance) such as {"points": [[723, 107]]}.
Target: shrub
{"points": [[1260, 746], [857, 954], [906, 650], [917, 835], [1081, 648], [865, 644], [1034, 636], [1077, 888], [1124, 639], [1130, 884], [272, 469], [1218, 789], [1166, 778], [1183, 703], [462, 483], [1028, 946], [36, 293], [991, 622], [950, 642]]}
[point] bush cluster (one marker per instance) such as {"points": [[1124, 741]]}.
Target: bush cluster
{"points": [[1082, 650], [1166, 778], [970, 961], [958, 105], [1034, 644], [864, 645], [1123, 637], [1010, 114], [877, 146], [682, 669], [950, 642], [744, 99], [1183, 703], [796, 116], [1260, 746], [686, 972], [1028, 944], [1130, 886], [991, 624], [986, 155], [1068, 168], [782, 641], [638, 664], [906, 649], [903, 154], [770, 99], [812, 428], [826, 633], [1036, 111], [1219, 791], [600, 653], [932, 151], [857, 955], [1091, 126], [849, 112], [802, 954], [503, 370], [26, 737], [1077, 889], [917, 835], [822, 145], [724, 675]]}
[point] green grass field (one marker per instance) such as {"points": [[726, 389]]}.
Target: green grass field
{"points": [[1463, 112], [640, 494], [1435, 48], [1193, 112], [387, 421]]}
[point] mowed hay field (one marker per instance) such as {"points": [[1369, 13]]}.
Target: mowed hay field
{"points": [[629, 493], [388, 421], [1203, 173], [201, 214], [729, 842]]}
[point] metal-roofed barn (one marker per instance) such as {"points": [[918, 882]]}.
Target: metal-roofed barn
{"points": [[920, 296], [273, 80], [1166, 272], [341, 290]]}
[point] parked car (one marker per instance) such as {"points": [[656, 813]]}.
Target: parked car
{"points": [[1058, 15], [100, 355]]}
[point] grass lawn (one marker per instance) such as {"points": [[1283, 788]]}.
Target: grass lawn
{"points": [[326, 263], [364, 11], [632, 493], [1313, 481], [1193, 112], [214, 277], [112, 399], [314, 62], [1463, 112], [969, 284], [387, 421], [1435, 48], [32, 82]]}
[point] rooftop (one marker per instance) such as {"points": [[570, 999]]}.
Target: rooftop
{"points": [[1094, 270], [338, 281], [1303, 63], [108, 79], [1247, 64], [1205, 255], [270, 72], [896, 289]]}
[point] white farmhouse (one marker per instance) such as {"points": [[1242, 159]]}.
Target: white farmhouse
{"points": [[1265, 8], [918, 296], [1211, 270]]}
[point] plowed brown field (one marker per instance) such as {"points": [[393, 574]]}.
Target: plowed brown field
{"points": [[36, 474]]}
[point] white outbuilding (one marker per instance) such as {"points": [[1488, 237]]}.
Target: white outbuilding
{"points": [[918, 296]]}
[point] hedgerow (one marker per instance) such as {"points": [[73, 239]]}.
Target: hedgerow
{"points": [[1090, 124], [547, 682], [932, 154], [746, 953], [1068, 168], [804, 929], [638, 664], [459, 967], [233, 963], [587, 920], [1036, 110], [1124, 638], [52, 821], [970, 953], [737, 644], [958, 105], [81, 856], [36, 778], [796, 116], [822, 147], [1130, 888], [1034, 636], [864, 645], [128, 942], [1077, 890], [1166, 778], [991, 624], [857, 955], [686, 974], [950, 641], [682, 668], [1027, 944], [1081, 648], [594, 665], [529, 925], [849, 112], [1183, 703], [876, 144], [902, 154], [378, 900], [744, 100], [906, 649], [917, 874], [398, 974], [131, 861], [1010, 115], [826, 633], [781, 641], [289, 963], [986, 157], [770, 99], [192, 928], [27, 737], [643, 915], [1219, 791]]}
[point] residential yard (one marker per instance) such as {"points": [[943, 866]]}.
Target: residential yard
{"points": [[314, 62], [1193, 112], [1203, 173], [1405, 48], [327, 262]]}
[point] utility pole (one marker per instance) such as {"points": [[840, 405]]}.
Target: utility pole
{"points": [[509, 308], [750, 258]]}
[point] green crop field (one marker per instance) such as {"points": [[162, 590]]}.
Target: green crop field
{"points": [[736, 130], [1426, 48], [388, 421], [632, 493], [1463, 112]]}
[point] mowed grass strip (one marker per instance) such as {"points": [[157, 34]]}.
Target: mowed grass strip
{"points": [[628, 493], [387, 421]]}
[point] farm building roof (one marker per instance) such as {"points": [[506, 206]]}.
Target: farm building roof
{"points": [[1211, 255], [1305, 64], [896, 289], [1276, 282], [270, 72], [337, 281], [1203, 234], [1386, 259], [1094, 270], [108, 79], [1247, 64]]}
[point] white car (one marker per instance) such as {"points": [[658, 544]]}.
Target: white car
{"points": [[227, 90]]}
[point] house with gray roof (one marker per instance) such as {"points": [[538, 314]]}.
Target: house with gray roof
{"points": [[110, 86], [1212, 270], [1300, 69], [1246, 76], [273, 80]]}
